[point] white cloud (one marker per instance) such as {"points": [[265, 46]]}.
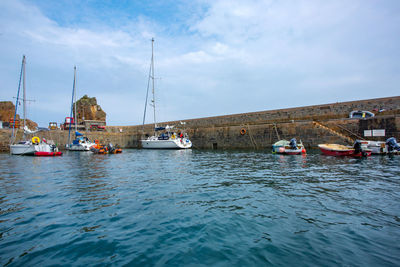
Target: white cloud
{"points": [[234, 57]]}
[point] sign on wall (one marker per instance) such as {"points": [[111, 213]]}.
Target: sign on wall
{"points": [[367, 133], [375, 132], [380, 132]]}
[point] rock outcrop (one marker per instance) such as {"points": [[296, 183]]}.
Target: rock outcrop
{"points": [[87, 109], [7, 109]]}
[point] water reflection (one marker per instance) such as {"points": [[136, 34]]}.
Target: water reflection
{"points": [[91, 181], [168, 207]]}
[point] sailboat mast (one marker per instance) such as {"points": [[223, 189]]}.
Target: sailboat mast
{"points": [[72, 106], [75, 116], [147, 96], [152, 79], [17, 101], [24, 95]]}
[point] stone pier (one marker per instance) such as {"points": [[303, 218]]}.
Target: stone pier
{"points": [[329, 123]]}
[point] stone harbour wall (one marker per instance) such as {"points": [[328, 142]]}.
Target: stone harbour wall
{"points": [[262, 129]]}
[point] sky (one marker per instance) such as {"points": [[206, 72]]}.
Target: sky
{"points": [[212, 57]]}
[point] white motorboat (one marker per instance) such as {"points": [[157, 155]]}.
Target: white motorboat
{"points": [[35, 146], [164, 137]]}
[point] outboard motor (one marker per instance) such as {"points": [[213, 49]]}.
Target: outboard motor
{"points": [[392, 144], [293, 143], [110, 147], [357, 147]]}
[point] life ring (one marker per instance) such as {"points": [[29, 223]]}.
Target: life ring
{"points": [[243, 131], [35, 140]]}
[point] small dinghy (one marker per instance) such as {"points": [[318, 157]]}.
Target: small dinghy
{"points": [[288, 147], [341, 150], [48, 154], [105, 149]]}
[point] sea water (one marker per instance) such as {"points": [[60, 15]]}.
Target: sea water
{"points": [[199, 208]]}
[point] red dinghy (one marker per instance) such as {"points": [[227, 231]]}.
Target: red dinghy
{"points": [[47, 154], [341, 150]]}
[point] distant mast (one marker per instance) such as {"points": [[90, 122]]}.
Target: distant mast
{"points": [[153, 101], [72, 106], [152, 79], [24, 96], [22, 74], [75, 115]]}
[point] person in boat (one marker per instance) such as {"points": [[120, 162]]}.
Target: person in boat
{"points": [[293, 143], [392, 144]]}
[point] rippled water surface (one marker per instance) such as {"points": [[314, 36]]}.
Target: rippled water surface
{"points": [[193, 208]]}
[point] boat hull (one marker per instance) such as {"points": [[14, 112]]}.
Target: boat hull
{"points": [[166, 144], [103, 151], [22, 149], [30, 149], [286, 151], [79, 147], [47, 154]]}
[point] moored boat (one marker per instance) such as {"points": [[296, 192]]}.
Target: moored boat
{"points": [[164, 137], [167, 140], [376, 147], [80, 143], [288, 147], [341, 150], [34, 146], [105, 149]]}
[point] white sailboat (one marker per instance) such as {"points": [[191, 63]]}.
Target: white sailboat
{"points": [[34, 146], [81, 143], [164, 137]]}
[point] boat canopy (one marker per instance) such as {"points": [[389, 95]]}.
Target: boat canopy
{"points": [[78, 134]]}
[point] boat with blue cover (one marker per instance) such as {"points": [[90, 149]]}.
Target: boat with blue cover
{"points": [[80, 143]]}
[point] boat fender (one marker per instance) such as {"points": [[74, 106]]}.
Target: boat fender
{"points": [[35, 140], [303, 150], [243, 131]]}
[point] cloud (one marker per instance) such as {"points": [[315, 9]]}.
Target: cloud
{"points": [[212, 58]]}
